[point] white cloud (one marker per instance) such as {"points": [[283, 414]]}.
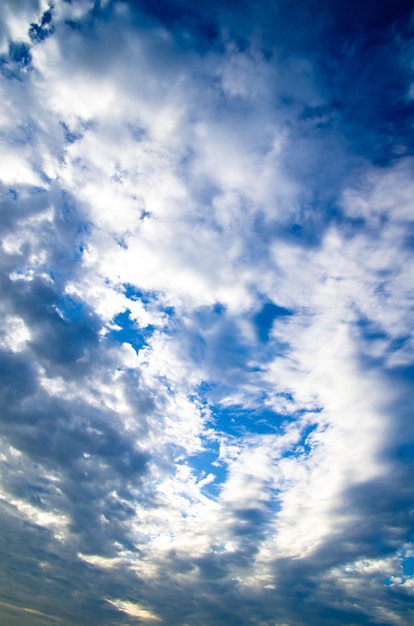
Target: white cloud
{"points": [[135, 610]]}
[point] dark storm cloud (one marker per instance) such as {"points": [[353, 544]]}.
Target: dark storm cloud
{"points": [[40, 574], [59, 342], [86, 448]]}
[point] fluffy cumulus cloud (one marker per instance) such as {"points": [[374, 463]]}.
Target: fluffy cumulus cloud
{"points": [[206, 355]]}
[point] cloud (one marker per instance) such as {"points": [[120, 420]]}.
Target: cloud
{"points": [[206, 351]]}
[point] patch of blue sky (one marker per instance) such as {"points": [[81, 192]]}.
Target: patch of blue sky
{"points": [[78, 253], [399, 343], [306, 233], [134, 294], [372, 334], [148, 298], [407, 565], [70, 137], [121, 241], [304, 446], [37, 190], [39, 32], [205, 388], [23, 134], [137, 132], [370, 330], [238, 421], [406, 573], [71, 308], [127, 331], [405, 452], [213, 339], [68, 214], [18, 54], [206, 393], [254, 416], [206, 316], [266, 317], [207, 462]]}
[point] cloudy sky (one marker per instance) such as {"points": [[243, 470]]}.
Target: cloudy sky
{"points": [[207, 299]]}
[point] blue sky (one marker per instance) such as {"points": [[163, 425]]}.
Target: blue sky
{"points": [[206, 355]]}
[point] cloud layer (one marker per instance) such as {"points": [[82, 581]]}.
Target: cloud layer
{"points": [[206, 356]]}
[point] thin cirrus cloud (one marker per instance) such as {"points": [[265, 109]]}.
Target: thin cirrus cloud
{"points": [[206, 352]]}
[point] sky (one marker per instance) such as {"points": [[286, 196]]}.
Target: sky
{"points": [[207, 304]]}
